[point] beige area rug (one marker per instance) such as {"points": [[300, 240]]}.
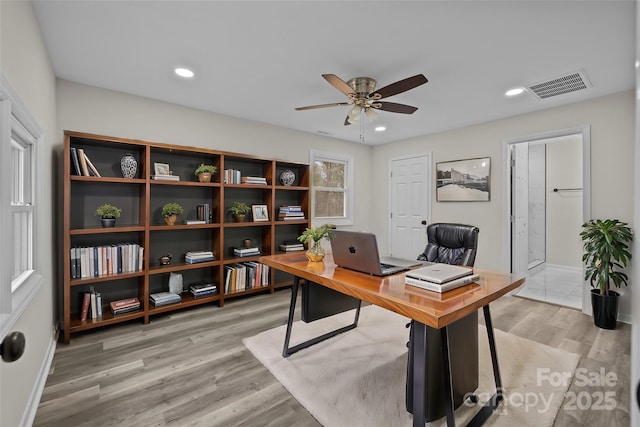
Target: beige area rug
{"points": [[358, 378]]}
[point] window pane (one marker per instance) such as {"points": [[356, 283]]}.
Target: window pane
{"points": [[329, 203], [23, 242], [329, 174]]}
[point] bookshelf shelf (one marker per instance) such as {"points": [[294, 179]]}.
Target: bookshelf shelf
{"points": [[141, 199]]}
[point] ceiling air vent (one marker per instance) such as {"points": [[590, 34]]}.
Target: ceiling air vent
{"points": [[560, 85]]}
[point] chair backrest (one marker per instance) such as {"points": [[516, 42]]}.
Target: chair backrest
{"points": [[451, 244]]}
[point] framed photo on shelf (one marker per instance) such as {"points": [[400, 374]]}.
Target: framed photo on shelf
{"points": [[260, 213], [161, 169], [463, 180]]}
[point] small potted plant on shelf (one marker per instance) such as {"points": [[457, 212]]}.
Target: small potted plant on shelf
{"points": [[108, 215], [204, 172], [313, 236], [606, 251], [170, 212], [239, 210]]}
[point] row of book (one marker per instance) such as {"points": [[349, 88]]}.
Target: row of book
{"points": [[91, 305], [194, 257], [234, 176], [96, 261], [80, 163], [243, 276], [290, 213]]}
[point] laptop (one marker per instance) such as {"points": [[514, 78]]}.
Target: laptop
{"points": [[359, 251], [440, 273]]}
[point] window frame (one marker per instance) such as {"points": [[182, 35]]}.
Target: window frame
{"points": [[17, 123], [324, 156]]}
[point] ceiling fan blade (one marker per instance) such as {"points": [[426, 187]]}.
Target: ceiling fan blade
{"points": [[313, 107], [339, 84], [399, 87], [396, 108]]}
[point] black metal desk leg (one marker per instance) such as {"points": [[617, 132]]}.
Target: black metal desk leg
{"points": [[419, 374], [292, 309], [494, 354], [448, 382], [288, 351]]}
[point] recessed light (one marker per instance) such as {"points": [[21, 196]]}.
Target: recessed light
{"points": [[380, 128], [184, 72], [514, 91]]}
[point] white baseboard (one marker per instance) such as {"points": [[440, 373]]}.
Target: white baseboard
{"points": [[41, 380]]}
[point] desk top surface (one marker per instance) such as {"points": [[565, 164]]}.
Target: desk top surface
{"points": [[431, 308]]}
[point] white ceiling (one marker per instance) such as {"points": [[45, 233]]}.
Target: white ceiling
{"points": [[259, 60]]}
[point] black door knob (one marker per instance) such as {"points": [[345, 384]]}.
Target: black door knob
{"points": [[423, 222], [12, 346]]}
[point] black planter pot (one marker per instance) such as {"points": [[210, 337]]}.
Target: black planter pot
{"points": [[605, 309], [108, 222]]}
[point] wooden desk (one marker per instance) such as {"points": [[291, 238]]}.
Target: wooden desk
{"points": [[428, 309]]}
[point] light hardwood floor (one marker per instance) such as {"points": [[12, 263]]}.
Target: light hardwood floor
{"points": [[191, 368]]}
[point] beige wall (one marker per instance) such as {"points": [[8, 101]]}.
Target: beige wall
{"points": [[25, 64]]}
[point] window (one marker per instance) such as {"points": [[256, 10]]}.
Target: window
{"points": [[331, 188], [19, 138]]}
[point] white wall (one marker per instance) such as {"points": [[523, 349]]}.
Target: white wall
{"points": [[25, 63], [564, 208]]}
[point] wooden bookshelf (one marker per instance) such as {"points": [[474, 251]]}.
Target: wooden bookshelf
{"points": [[141, 199]]}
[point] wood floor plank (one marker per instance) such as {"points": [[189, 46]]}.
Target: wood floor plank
{"points": [[191, 368]]}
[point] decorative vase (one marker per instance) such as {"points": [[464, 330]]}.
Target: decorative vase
{"points": [[316, 252], [287, 177], [204, 177], [170, 220], [108, 222], [605, 309], [129, 166]]}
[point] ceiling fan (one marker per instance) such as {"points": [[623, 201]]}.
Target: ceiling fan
{"points": [[366, 100]]}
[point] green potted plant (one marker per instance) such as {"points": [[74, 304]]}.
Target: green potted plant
{"points": [[239, 210], [606, 252], [170, 212], [204, 172], [108, 215], [313, 236]]}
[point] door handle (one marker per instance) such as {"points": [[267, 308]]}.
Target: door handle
{"points": [[12, 347], [423, 222]]}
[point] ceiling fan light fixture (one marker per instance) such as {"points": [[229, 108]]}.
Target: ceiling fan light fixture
{"points": [[354, 114], [370, 113]]}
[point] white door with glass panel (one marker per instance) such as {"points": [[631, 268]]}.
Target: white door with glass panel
{"points": [[410, 194]]}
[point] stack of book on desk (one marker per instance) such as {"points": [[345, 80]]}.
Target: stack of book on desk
{"points": [[193, 257], [203, 289], [164, 298], [245, 252], [440, 277]]}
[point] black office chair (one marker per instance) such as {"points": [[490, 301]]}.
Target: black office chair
{"points": [[450, 244]]}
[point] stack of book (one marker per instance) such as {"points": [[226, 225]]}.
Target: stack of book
{"points": [[194, 257], [166, 177], [203, 289], [291, 246], [124, 305], [164, 298], [245, 252], [287, 213], [254, 180], [440, 277]]}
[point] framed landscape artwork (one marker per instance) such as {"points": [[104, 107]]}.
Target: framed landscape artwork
{"points": [[463, 180]]}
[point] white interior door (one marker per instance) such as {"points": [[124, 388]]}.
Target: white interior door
{"points": [[410, 205], [520, 207]]}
